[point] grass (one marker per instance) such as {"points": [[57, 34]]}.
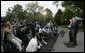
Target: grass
{"points": [[80, 28], [63, 26]]}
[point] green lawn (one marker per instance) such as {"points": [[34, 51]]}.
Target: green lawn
{"points": [[63, 26], [81, 29]]}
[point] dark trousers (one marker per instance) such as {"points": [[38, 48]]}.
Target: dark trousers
{"points": [[41, 35], [74, 35], [70, 36], [33, 33]]}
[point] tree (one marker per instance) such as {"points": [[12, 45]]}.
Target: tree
{"points": [[24, 14], [16, 10], [33, 8], [19, 11], [58, 17], [67, 14], [8, 13], [49, 14], [40, 18], [76, 6]]}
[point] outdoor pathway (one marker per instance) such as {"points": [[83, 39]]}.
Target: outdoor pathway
{"points": [[60, 47]]}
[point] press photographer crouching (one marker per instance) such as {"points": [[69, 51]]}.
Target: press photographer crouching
{"points": [[34, 44]]}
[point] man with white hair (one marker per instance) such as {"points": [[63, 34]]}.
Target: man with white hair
{"points": [[74, 31]]}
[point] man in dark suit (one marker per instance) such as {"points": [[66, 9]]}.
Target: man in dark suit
{"points": [[70, 36], [74, 31]]}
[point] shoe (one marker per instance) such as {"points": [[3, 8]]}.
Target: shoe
{"points": [[75, 45], [69, 42], [69, 45], [66, 43]]}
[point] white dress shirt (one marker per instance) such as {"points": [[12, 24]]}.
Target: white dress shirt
{"points": [[49, 24], [33, 45], [40, 30], [44, 29]]}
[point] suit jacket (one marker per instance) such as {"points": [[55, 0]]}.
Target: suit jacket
{"points": [[74, 27]]}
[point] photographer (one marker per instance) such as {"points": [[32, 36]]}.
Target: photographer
{"points": [[11, 37], [34, 44]]}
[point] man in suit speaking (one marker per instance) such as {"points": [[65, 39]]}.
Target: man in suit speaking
{"points": [[74, 31]]}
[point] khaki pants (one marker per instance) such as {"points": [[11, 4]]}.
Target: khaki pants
{"points": [[17, 42]]}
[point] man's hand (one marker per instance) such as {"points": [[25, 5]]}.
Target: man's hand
{"points": [[22, 29], [68, 30], [69, 26], [38, 47]]}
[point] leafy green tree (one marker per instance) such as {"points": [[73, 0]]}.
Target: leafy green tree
{"points": [[49, 12], [33, 8], [8, 16], [19, 11], [48, 15], [67, 14], [40, 18], [58, 17], [76, 6]]}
